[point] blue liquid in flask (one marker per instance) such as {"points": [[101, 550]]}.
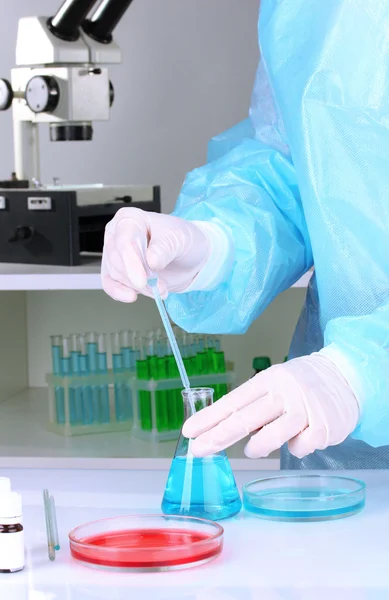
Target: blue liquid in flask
{"points": [[212, 494], [200, 487]]}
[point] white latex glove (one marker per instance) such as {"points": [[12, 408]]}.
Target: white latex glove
{"points": [[306, 402], [177, 251]]}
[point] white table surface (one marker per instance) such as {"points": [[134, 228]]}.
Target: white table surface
{"points": [[262, 560]]}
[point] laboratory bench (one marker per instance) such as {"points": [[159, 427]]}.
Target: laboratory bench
{"points": [[261, 560]]}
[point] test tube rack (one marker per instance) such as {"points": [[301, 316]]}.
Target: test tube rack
{"points": [[82, 404], [152, 410]]}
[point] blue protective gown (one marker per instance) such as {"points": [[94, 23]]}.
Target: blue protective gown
{"points": [[305, 181]]}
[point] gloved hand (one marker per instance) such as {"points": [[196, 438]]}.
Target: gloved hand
{"points": [[177, 250], [306, 402]]}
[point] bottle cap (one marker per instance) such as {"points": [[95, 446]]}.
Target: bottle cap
{"points": [[260, 363], [5, 485], [10, 505]]}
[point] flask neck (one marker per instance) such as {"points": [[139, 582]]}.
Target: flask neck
{"points": [[200, 399]]}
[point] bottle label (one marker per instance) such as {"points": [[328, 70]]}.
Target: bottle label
{"points": [[11, 551]]}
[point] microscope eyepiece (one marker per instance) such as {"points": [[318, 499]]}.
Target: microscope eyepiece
{"points": [[65, 24], [104, 20]]}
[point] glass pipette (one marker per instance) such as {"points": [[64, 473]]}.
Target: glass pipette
{"points": [[152, 282]]}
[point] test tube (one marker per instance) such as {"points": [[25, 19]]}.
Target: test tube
{"points": [[169, 395], [117, 367], [217, 344], [202, 357], [136, 344], [59, 392], [158, 371], [193, 353], [144, 402], [126, 348], [152, 360], [75, 353], [175, 397], [91, 345], [66, 371], [160, 342], [220, 367], [102, 365], [128, 357], [86, 389]]}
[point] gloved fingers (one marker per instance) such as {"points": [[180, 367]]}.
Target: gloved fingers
{"points": [[209, 417], [117, 290], [129, 248], [308, 441], [236, 426], [165, 248], [112, 281], [112, 263], [114, 288], [117, 257], [274, 435]]}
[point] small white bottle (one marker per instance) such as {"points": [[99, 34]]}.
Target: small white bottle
{"points": [[11, 533]]}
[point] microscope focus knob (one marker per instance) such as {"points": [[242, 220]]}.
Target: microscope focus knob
{"points": [[6, 94], [42, 94]]}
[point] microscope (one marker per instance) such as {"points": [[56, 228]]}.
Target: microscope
{"points": [[61, 79]]}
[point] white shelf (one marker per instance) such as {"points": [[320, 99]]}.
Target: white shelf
{"points": [[46, 277], [26, 443], [14, 277]]}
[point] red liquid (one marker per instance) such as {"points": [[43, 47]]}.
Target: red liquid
{"points": [[146, 548]]}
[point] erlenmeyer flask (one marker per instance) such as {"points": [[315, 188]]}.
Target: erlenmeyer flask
{"points": [[200, 487]]}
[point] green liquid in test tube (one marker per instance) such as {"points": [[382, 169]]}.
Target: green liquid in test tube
{"points": [[220, 363], [162, 423], [175, 394], [169, 395], [212, 364], [162, 396], [193, 354], [201, 357], [189, 357], [144, 401]]}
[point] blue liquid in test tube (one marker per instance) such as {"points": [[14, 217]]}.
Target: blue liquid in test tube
{"points": [[66, 371], [56, 355], [87, 404], [75, 367], [119, 388], [91, 346], [102, 365]]}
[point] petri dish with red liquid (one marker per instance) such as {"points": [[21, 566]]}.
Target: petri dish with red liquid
{"points": [[146, 543]]}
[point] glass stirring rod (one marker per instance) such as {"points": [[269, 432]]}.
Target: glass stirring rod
{"points": [[152, 281]]}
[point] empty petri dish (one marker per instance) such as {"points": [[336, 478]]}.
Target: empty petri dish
{"points": [[146, 542], [304, 497]]}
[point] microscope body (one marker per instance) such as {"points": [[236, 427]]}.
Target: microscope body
{"points": [[61, 79], [63, 84]]}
